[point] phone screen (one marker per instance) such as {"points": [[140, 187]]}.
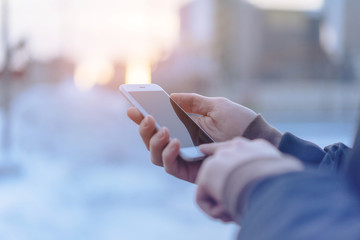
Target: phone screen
{"points": [[168, 114]]}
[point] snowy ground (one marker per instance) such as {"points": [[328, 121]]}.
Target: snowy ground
{"points": [[83, 173]]}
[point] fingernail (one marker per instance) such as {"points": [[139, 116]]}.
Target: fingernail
{"points": [[162, 132], [174, 140]]}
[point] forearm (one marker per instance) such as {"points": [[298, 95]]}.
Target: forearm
{"points": [[239, 181], [301, 205]]}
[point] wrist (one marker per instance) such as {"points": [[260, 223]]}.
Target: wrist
{"points": [[260, 129], [237, 186]]}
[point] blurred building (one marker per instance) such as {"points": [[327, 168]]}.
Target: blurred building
{"points": [[340, 36], [260, 57], [237, 48], [266, 58], [265, 44], [249, 45], [191, 66]]}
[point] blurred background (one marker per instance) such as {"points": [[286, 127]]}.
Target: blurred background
{"points": [[72, 166]]}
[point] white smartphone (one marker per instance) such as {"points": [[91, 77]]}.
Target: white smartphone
{"points": [[152, 100]]}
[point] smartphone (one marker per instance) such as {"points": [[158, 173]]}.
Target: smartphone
{"points": [[152, 100]]}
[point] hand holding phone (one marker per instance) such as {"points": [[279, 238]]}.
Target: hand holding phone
{"points": [[219, 117], [152, 100]]}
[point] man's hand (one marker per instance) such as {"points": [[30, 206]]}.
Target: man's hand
{"points": [[252, 159], [219, 117]]}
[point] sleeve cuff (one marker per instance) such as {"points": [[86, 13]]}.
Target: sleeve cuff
{"points": [[259, 128], [307, 152]]}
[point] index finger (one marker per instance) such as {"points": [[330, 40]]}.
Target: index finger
{"points": [[193, 103], [211, 148], [135, 115]]}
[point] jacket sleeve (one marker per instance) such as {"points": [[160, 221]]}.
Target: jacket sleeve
{"points": [[301, 205], [331, 158], [309, 204]]}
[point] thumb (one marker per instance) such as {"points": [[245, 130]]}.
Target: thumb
{"points": [[193, 103], [210, 148]]}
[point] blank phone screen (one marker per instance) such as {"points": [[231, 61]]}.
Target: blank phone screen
{"points": [[168, 114]]}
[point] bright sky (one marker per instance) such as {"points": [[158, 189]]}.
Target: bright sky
{"points": [[304, 5], [108, 28], [82, 29], [94, 33]]}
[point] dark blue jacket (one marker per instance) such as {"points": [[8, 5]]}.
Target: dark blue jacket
{"points": [[322, 202]]}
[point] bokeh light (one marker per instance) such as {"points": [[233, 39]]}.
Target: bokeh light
{"points": [[143, 30], [92, 72], [138, 72]]}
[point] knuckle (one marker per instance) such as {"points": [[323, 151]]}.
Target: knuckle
{"points": [[153, 143], [212, 163], [142, 129], [236, 141], [221, 100], [169, 168], [156, 140], [165, 157], [262, 142], [163, 154], [156, 161]]}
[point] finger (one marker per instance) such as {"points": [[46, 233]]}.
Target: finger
{"points": [[226, 218], [169, 157], [147, 129], [203, 200], [211, 148], [157, 144], [193, 103], [135, 115], [218, 211], [208, 204]]}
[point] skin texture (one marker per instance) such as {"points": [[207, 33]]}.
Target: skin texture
{"points": [[219, 117], [223, 157]]}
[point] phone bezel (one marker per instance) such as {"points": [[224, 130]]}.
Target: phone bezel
{"points": [[188, 153]]}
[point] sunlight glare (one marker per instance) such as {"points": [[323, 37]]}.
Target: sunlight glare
{"points": [[91, 72], [122, 29], [138, 72]]}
